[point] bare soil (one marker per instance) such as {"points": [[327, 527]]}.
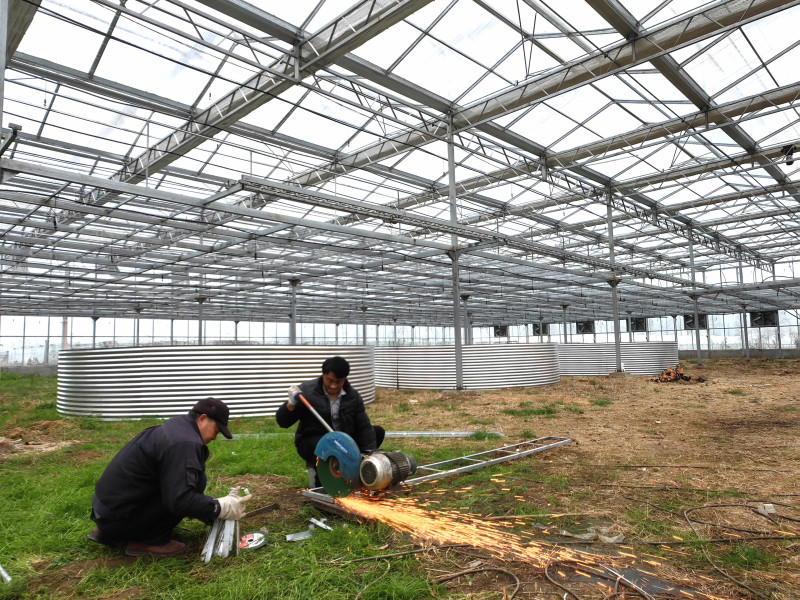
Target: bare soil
{"points": [[643, 452]]}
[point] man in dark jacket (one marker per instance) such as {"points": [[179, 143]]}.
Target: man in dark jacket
{"points": [[157, 479], [338, 403]]}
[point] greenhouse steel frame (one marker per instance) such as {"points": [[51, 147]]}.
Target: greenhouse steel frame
{"points": [[396, 160]]}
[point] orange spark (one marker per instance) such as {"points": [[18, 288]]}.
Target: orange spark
{"points": [[442, 526]]}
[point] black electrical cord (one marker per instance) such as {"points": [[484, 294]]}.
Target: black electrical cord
{"points": [[705, 553]]}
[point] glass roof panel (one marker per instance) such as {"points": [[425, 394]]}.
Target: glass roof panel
{"points": [[437, 68], [82, 25], [723, 63], [387, 47], [144, 69]]}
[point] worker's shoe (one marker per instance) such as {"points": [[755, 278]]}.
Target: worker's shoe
{"points": [[171, 548], [96, 537]]}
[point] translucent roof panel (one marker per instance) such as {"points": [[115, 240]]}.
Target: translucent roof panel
{"points": [[188, 143]]}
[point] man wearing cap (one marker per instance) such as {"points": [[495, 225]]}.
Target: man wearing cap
{"points": [[157, 479], [338, 403]]}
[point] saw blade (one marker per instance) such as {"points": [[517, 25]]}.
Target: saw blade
{"points": [[338, 461], [334, 483]]}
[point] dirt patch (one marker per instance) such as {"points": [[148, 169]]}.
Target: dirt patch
{"points": [[61, 579], [267, 490], [643, 453], [15, 446]]}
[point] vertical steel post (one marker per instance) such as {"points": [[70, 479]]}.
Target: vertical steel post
{"points": [[613, 283], [293, 313], [467, 332], [744, 329], [454, 253], [200, 300], [94, 331], [47, 344], [364, 325], [694, 303], [24, 323]]}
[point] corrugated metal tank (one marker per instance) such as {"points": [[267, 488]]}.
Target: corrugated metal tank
{"points": [[638, 358], [485, 366], [162, 381]]}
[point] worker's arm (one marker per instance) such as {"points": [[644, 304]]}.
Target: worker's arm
{"points": [[183, 480], [286, 415]]}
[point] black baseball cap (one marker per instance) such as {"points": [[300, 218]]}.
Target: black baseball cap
{"points": [[217, 410]]}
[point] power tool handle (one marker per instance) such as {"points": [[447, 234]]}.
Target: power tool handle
{"points": [[314, 412]]}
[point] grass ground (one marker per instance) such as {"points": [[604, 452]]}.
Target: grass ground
{"points": [[642, 455]]}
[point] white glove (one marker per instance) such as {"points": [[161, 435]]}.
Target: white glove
{"points": [[231, 507], [293, 392]]}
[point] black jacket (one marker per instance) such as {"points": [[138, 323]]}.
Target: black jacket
{"points": [[353, 418], [167, 463]]}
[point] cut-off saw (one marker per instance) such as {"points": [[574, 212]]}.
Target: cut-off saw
{"points": [[343, 469]]}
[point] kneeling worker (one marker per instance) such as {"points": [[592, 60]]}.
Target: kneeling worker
{"points": [[338, 403], [157, 479]]}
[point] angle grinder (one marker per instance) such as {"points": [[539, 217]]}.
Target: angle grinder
{"points": [[343, 469]]}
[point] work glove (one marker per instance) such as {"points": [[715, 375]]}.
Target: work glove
{"points": [[231, 507], [294, 392]]}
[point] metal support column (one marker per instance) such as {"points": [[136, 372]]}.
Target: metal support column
{"points": [[614, 283], [564, 319], [694, 302], [24, 324], [47, 344], [293, 313], [744, 331], [200, 300], [777, 319], [364, 325], [454, 253], [467, 332], [94, 331]]}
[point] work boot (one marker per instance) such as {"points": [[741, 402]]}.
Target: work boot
{"points": [[171, 548]]}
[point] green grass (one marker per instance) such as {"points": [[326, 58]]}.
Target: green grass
{"points": [[601, 401], [546, 411], [744, 557], [736, 392], [46, 498]]}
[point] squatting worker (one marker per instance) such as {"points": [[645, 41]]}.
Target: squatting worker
{"points": [[157, 479], [338, 403]]}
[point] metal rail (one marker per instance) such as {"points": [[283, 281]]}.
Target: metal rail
{"points": [[465, 464]]}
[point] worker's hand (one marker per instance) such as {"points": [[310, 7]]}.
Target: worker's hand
{"points": [[231, 507], [294, 392]]}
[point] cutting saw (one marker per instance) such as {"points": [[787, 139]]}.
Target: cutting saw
{"points": [[343, 469]]}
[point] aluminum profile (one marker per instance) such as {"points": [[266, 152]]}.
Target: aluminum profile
{"points": [[485, 366], [163, 381], [638, 358]]}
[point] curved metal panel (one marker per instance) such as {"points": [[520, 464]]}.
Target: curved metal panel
{"points": [[638, 358], [162, 381], [485, 366]]}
